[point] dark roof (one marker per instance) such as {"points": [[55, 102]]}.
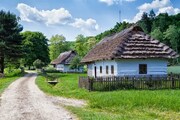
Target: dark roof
{"points": [[64, 58], [131, 43]]}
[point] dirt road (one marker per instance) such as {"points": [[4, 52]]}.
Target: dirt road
{"points": [[23, 100]]}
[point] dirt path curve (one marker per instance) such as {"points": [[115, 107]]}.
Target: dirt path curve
{"points": [[23, 100]]}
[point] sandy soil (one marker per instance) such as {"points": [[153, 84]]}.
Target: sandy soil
{"points": [[23, 100]]}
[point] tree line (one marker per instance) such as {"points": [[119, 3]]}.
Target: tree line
{"points": [[163, 27], [29, 48]]}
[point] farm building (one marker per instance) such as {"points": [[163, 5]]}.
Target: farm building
{"points": [[128, 53], [62, 63]]}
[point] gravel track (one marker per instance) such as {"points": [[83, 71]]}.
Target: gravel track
{"points": [[23, 100]]}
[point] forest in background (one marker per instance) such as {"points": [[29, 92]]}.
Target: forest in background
{"points": [[163, 27], [29, 49]]}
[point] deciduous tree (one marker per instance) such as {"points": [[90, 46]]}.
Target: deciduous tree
{"points": [[58, 44], [36, 47]]}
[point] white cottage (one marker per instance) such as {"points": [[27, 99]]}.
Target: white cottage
{"points": [[63, 62], [130, 53]]}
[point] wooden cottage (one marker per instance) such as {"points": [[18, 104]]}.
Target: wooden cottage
{"points": [[130, 52], [63, 62]]}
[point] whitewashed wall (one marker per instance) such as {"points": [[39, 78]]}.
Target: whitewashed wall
{"points": [[128, 67], [66, 68], [60, 67], [91, 68], [131, 67]]}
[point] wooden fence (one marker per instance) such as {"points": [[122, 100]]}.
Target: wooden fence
{"points": [[171, 81]]}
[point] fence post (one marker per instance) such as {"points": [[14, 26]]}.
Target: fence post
{"points": [[173, 83], [90, 81]]}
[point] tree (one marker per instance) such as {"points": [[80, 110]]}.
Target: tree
{"points": [[80, 45], [117, 28], [152, 15], [75, 63], [145, 23], [91, 42], [162, 21], [58, 44], [38, 64], [157, 34], [36, 47], [172, 34], [10, 38]]}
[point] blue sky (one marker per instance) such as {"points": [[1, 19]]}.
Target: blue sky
{"points": [[87, 17]]}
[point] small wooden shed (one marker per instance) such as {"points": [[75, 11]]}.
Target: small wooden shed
{"points": [[130, 52]]}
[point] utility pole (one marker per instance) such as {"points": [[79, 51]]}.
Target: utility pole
{"points": [[119, 15]]}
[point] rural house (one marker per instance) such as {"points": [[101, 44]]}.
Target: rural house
{"points": [[62, 63], [128, 53]]}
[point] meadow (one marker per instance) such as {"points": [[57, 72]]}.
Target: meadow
{"points": [[116, 105]]}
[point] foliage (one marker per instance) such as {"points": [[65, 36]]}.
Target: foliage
{"points": [[38, 64], [91, 42], [75, 63], [173, 35], [145, 23], [117, 28], [80, 46], [51, 69], [10, 38], [157, 34], [10, 72], [123, 104], [58, 44], [152, 15], [36, 47]]}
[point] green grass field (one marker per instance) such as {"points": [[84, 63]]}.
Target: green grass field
{"points": [[116, 105]]}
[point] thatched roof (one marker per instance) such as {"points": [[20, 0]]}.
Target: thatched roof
{"points": [[64, 58], [131, 43]]}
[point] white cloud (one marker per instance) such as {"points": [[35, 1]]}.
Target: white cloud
{"points": [[155, 4], [59, 16], [111, 2], [84, 25], [108, 2], [161, 6], [55, 16], [170, 10]]}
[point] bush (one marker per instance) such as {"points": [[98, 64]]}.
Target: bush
{"points": [[38, 64], [12, 72], [51, 70]]}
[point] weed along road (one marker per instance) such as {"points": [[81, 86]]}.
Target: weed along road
{"points": [[23, 100]]}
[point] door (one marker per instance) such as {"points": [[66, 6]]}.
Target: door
{"points": [[95, 71]]}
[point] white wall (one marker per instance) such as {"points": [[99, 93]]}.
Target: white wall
{"points": [[128, 67], [131, 67], [66, 68], [103, 64], [60, 67]]}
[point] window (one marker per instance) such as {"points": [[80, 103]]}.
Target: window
{"points": [[106, 69], [100, 69], [142, 68], [112, 69]]}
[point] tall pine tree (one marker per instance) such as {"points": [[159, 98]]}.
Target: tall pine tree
{"points": [[10, 38]]}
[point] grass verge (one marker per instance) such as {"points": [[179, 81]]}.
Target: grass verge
{"points": [[6, 81], [123, 104]]}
